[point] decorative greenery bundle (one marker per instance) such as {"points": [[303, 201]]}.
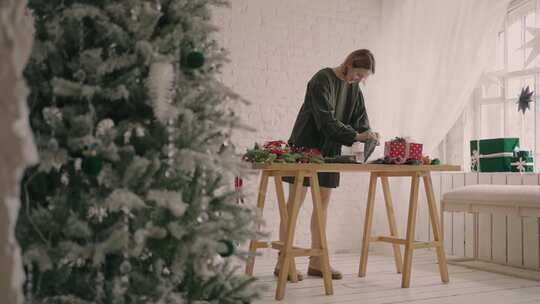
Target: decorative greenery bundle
{"points": [[279, 151]]}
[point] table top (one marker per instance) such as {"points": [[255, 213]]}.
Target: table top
{"points": [[333, 167]]}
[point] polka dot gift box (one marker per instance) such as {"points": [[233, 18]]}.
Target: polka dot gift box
{"points": [[399, 150]]}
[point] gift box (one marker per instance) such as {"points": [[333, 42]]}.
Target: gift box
{"points": [[400, 150], [493, 155], [522, 161]]}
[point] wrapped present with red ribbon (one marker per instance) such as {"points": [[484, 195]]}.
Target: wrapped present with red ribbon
{"points": [[400, 150]]}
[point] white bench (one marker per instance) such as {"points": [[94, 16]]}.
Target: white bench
{"points": [[513, 200]]}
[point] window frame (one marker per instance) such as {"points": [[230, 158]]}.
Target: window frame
{"points": [[504, 75]]}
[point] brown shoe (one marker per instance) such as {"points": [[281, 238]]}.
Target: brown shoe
{"points": [[299, 275], [336, 275]]}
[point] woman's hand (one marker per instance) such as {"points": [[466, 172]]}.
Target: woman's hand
{"points": [[362, 137]]}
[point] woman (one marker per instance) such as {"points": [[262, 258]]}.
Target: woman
{"points": [[333, 114]]}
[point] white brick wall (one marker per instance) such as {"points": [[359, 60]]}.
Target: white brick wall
{"points": [[275, 47]]}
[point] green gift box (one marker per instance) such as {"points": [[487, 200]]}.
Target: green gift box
{"points": [[522, 161], [494, 155]]}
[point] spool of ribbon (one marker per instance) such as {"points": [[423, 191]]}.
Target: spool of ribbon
{"points": [[475, 161]]}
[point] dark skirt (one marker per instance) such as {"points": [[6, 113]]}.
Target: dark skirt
{"points": [[326, 179]]}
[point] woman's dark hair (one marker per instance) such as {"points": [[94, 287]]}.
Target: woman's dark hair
{"points": [[360, 59]]}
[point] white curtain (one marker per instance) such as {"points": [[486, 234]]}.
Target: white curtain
{"points": [[431, 56]]}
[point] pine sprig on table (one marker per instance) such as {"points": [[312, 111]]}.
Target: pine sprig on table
{"points": [[281, 152]]}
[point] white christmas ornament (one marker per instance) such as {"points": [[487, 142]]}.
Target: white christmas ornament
{"points": [[125, 279], [64, 261], [146, 254], [80, 262], [203, 217], [68, 261], [139, 131], [98, 213], [51, 114], [127, 137], [78, 163], [104, 126], [64, 179], [134, 16]]}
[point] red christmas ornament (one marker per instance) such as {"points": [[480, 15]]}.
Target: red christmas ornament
{"points": [[238, 183]]}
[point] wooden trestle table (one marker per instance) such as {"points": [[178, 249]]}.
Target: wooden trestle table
{"points": [[288, 252]]}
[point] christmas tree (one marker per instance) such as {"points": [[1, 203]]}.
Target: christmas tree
{"points": [[132, 201]]}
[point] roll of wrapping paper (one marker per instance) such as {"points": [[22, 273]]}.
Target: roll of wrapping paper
{"points": [[369, 147]]}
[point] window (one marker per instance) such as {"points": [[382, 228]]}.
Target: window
{"points": [[495, 105]]}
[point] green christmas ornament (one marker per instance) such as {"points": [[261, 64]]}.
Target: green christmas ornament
{"points": [[92, 165], [225, 248], [194, 60], [436, 161]]}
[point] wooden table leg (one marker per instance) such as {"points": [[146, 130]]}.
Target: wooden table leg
{"points": [[411, 223], [391, 221], [435, 224], [367, 224], [250, 264], [286, 255], [283, 214], [317, 208]]}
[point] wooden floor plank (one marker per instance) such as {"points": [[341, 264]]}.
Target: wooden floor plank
{"points": [[383, 285]]}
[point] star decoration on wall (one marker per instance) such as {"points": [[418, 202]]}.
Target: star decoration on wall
{"points": [[534, 43], [525, 97]]}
